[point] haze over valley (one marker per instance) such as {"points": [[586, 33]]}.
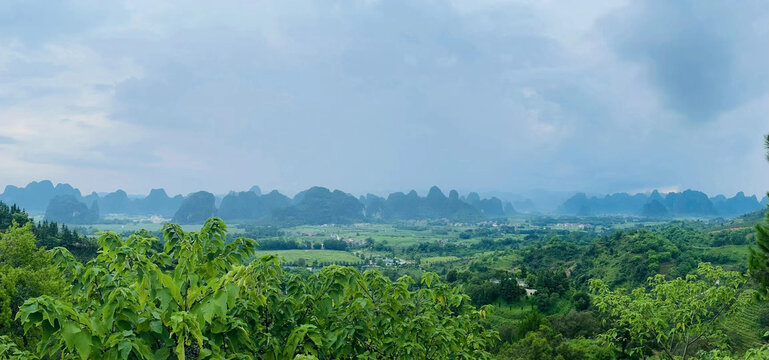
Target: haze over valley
{"points": [[384, 180]]}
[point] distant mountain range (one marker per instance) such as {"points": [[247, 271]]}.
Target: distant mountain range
{"points": [[688, 203], [319, 205], [36, 197]]}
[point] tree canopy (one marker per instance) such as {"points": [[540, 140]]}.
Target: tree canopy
{"points": [[202, 298], [25, 271], [674, 317]]}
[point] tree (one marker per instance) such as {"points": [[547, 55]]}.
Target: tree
{"points": [[675, 317], [761, 353], [758, 262], [546, 344], [301, 262], [25, 271], [534, 346], [451, 276], [9, 350], [524, 271], [11, 214], [509, 289], [334, 244], [766, 145], [576, 324], [581, 301], [199, 298], [531, 322], [758, 267], [483, 294]]}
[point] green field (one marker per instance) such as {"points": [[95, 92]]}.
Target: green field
{"points": [[501, 261], [732, 257], [393, 235], [438, 259], [322, 256], [133, 227], [744, 328]]}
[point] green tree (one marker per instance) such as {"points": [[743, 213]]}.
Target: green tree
{"points": [[546, 344], [201, 298], [451, 276], [758, 262], [509, 289], [533, 346], [10, 351], [766, 145], [675, 317], [25, 271], [581, 300], [761, 353], [531, 322]]}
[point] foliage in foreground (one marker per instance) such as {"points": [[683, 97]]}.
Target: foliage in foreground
{"points": [[547, 344], [761, 353], [759, 258], [198, 299], [674, 318], [25, 271]]}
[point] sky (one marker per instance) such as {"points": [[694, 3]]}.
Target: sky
{"points": [[385, 95]]}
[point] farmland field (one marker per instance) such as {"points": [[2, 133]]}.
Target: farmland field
{"points": [[134, 226], [438, 259], [322, 256], [397, 236]]}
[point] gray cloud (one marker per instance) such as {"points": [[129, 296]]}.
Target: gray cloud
{"points": [[36, 22], [706, 57], [390, 95]]}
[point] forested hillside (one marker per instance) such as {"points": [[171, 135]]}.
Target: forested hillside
{"points": [[48, 234], [485, 291]]}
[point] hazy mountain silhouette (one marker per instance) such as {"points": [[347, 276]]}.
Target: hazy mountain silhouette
{"points": [[336, 206], [68, 209]]}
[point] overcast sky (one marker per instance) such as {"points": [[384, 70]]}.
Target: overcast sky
{"points": [[377, 96]]}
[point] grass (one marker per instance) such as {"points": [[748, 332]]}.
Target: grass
{"points": [[503, 261], [731, 257], [391, 234], [438, 259], [744, 327], [512, 313], [131, 228], [504, 313], [322, 256]]}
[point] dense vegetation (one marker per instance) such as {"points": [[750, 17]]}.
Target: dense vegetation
{"points": [[561, 288], [198, 299], [48, 234], [530, 294]]}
